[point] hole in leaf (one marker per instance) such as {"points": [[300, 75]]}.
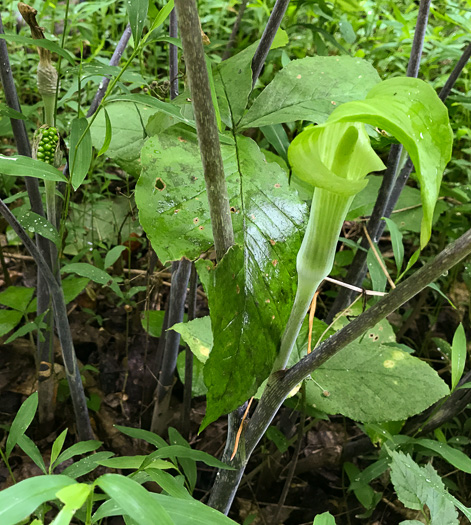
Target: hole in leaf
{"points": [[159, 184]]}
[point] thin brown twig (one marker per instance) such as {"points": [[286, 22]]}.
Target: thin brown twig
{"points": [[239, 432], [312, 311], [378, 258]]}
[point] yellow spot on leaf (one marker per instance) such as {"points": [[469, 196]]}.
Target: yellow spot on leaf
{"points": [[397, 355]]}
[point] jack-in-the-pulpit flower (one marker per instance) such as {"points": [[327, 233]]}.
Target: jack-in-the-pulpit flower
{"points": [[334, 158]]}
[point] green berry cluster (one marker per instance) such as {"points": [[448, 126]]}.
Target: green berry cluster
{"points": [[47, 145]]}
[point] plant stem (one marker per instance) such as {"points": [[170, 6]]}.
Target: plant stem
{"points": [[185, 420], [77, 394], [114, 61], [235, 30], [282, 382], [5, 460], [268, 36], [45, 390], [294, 459], [208, 137], [180, 276], [173, 56], [314, 261]]}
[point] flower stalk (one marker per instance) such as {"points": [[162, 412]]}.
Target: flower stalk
{"points": [[47, 82]]}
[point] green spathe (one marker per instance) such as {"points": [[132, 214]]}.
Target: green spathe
{"points": [[335, 158], [410, 110], [326, 156]]}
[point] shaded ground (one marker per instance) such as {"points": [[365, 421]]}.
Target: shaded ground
{"points": [[114, 380]]}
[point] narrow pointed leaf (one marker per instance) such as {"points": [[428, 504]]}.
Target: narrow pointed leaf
{"points": [[108, 134], [28, 446], [134, 500], [46, 44], [27, 167], [20, 500], [35, 223], [137, 14], [80, 151], [22, 421], [458, 356], [455, 457], [396, 241]]}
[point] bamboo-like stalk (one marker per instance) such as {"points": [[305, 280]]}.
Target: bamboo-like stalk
{"points": [[235, 30], [77, 394], [205, 118], [44, 352], [268, 36], [180, 276], [185, 419]]}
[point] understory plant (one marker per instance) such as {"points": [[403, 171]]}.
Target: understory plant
{"points": [[272, 210], [124, 495]]}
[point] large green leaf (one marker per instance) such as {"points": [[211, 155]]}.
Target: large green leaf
{"points": [[233, 80], [17, 297], [233, 85], [20, 500], [127, 122], [172, 202], [310, 89], [409, 109], [182, 511], [250, 307], [134, 500], [371, 382]]}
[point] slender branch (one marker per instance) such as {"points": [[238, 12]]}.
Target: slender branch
{"points": [[446, 89], [208, 138], [114, 61], [389, 184], [173, 56], [77, 394], [294, 459], [419, 37], [282, 382], [180, 276], [185, 421], [44, 354], [235, 30], [440, 412], [268, 36]]}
